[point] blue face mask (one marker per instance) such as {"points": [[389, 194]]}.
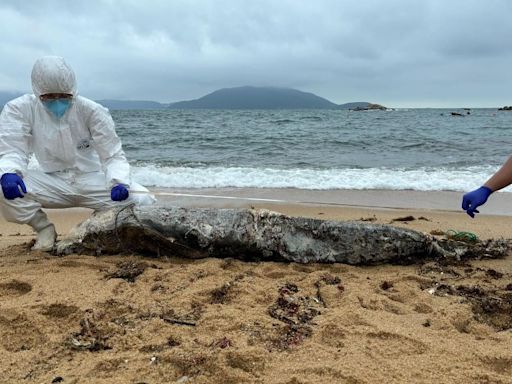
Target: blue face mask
{"points": [[58, 106]]}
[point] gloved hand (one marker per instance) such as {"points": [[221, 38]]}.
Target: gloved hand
{"points": [[11, 184], [119, 192], [472, 200]]}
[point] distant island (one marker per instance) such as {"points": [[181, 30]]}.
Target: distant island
{"points": [[247, 97], [257, 98], [132, 104]]}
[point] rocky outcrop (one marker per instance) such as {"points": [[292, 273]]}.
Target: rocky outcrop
{"points": [[371, 107]]}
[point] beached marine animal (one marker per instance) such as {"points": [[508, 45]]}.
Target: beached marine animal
{"points": [[257, 235]]}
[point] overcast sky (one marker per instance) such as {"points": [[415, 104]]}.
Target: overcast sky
{"points": [[400, 53]]}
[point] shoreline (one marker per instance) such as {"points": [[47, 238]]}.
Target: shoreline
{"points": [[500, 203]]}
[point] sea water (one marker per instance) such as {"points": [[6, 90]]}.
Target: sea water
{"points": [[418, 149]]}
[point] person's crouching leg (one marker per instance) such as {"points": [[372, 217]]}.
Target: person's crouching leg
{"points": [[46, 234], [28, 211]]}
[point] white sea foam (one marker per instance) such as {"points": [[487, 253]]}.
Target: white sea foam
{"points": [[423, 179]]}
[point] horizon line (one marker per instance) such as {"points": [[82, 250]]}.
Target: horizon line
{"points": [[19, 93]]}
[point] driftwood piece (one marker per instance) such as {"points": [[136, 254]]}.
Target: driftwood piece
{"points": [[258, 235]]}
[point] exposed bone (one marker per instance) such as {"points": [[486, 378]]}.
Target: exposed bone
{"points": [[258, 235]]}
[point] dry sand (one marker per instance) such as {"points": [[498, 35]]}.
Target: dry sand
{"points": [[128, 319]]}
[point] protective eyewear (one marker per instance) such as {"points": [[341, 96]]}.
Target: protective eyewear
{"points": [[55, 96]]}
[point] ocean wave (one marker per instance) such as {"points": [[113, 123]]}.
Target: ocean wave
{"points": [[283, 121], [421, 179]]}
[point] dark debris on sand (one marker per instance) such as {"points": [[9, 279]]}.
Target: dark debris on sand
{"points": [[491, 302], [297, 313], [90, 337], [128, 270]]}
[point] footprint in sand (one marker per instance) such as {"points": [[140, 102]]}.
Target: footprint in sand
{"points": [[333, 335], [394, 345], [14, 288], [18, 333], [501, 365], [249, 361], [58, 311], [377, 304]]}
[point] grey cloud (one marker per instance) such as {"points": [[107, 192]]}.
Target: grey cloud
{"points": [[396, 52]]}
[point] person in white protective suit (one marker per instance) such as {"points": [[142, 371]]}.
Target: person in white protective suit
{"points": [[82, 163]]}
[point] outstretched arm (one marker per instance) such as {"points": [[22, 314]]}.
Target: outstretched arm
{"points": [[502, 178]]}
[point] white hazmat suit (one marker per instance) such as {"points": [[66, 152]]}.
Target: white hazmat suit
{"points": [[80, 154]]}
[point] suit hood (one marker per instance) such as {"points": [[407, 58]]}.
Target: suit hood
{"points": [[51, 74]]}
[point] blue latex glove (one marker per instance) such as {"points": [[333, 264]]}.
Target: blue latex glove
{"points": [[119, 193], [11, 184], [472, 200]]}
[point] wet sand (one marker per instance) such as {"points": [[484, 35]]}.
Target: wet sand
{"points": [[129, 319]]}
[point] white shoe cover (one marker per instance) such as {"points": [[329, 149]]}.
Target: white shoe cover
{"points": [[45, 239], [46, 234]]}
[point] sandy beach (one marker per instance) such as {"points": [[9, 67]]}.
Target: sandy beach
{"points": [[129, 319]]}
